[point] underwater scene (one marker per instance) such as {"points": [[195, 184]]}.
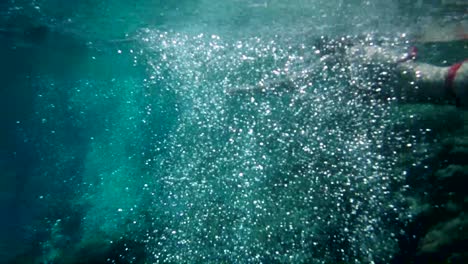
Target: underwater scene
{"points": [[234, 131]]}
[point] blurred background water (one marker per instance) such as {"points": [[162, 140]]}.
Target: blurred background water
{"points": [[129, 133]]}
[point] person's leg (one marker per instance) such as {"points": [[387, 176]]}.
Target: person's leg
{"points": [[457, 82], [437, 82], [421, 80]]}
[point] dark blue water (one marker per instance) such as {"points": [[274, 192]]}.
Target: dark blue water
{"points": [[137, 132]]}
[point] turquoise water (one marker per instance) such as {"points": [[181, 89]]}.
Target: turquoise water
{"points": [[137, 133]]}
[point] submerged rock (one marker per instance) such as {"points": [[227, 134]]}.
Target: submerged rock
{"points": [[446, 241], [439, 201]]}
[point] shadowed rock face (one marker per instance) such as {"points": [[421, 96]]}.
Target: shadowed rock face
{"points": [[27, 51]]}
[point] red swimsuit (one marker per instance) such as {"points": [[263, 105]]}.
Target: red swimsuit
{"points": [[452, 73]]}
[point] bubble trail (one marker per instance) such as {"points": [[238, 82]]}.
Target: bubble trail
{"points": [[274, 156]]}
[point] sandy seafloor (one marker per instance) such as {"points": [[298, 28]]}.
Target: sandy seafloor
{"points": [[234, 131]]}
